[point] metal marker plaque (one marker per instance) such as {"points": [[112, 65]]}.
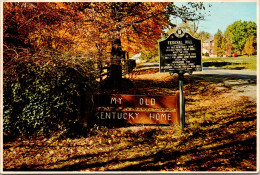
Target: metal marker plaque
{"points": [[180, 52]]}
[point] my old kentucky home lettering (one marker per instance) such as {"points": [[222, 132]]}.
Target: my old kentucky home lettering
{"points": [[131, 108], [142, 101], [132, 116]]}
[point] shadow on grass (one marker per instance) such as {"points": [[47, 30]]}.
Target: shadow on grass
{"points": [[216, 64]]}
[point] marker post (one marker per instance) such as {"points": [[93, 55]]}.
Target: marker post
{"points": [[182, 105]]}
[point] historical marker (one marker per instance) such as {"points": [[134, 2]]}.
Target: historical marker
{"points": [[180, 52]]}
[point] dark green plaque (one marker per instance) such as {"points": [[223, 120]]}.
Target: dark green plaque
{"points": [[180, 53]]}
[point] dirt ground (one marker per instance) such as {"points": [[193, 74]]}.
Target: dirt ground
{"points": [[219, 133]]}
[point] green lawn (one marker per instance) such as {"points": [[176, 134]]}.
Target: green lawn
{"points": [[237, 63]]}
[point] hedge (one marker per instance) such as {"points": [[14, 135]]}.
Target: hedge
{"points": [[46, 94]]}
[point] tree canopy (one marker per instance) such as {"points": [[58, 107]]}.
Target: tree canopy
{"points": [[52, 49], [220, 43], [238, 33], [91, 27]]}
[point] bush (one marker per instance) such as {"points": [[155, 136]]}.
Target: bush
{"points": [[43, 94]]}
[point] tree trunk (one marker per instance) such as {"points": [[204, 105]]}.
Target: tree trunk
{"points": [[117, 55]]}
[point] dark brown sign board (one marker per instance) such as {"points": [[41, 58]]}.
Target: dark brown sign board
{"points": [[140, 117], [139, 102], [180, 52]]}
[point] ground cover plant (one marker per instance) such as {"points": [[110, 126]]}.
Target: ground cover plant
{"points": [[220, 135]]}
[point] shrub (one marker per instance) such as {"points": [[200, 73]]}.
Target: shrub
{"points": [[43, 94]]}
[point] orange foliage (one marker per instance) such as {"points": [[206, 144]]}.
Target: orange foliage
{"points": [[86, 28]]}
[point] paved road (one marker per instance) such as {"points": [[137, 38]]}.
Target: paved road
{"points": [[243, 82], [213, 71]]}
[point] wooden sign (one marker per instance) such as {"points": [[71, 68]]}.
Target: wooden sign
{"points": [[143, 108], [137, 101], [140, 117], [180, 52]]}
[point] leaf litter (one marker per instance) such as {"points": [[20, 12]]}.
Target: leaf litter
{"points": [[219, 135]]}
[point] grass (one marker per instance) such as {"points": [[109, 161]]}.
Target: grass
{"points": [[237, 63]]}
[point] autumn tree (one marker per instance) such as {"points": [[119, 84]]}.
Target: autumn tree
{"points": [[219, 43], [192, 27], [92, 28], [203, 35], [249, 48], [44, 91], [48, 79], [238, 33], [143, 24]]}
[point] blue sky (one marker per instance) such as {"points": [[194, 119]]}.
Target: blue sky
{"points": [[223, 14]]}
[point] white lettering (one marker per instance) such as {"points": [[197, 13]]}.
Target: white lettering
{"points": [[114, 115], [141, 101], [136, 115], [101, 115], [125, 116], [120, 100], [169, 116], [146, 103], [151, 115], [188, 41], [131, 115], [163, 116], [160, 116], [157, 116], [174, 42], [113, 99], [108, 115]]}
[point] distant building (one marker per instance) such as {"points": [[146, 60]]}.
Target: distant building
{"points": [[136, 57], [208, 47]]}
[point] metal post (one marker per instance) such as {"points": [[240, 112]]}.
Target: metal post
{"points": [[182, 105]]}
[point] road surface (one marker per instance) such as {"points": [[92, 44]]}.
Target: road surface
{"points": [[243, 82]]}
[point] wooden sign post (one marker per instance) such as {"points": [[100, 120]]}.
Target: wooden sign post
{"points": [[180, 53]]}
